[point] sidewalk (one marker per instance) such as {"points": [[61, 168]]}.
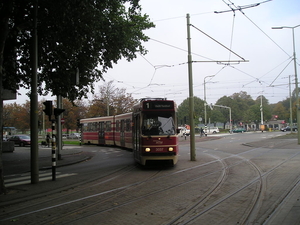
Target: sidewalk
{"points": [[18, 162]]}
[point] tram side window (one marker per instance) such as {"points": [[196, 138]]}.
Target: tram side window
{"points": [[117, 125], [128, 127], [108, 125], [85, 127], [89, 127], [93, 128]]}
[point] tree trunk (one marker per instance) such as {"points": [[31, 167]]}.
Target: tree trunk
{"points": [[5, 11]]}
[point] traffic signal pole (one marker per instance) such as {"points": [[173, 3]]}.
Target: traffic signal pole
{"points": [[49, 111], [53, 151]]}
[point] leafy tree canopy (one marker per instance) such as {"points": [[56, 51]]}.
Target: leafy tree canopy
{"points": [[183, 111], [84, 37]]}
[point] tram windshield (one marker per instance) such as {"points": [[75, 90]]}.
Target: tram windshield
{"points": [[158, 124]]}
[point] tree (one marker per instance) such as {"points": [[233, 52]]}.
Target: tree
{"points": [[110, 101], [84, 37], [229, 102], [73, 112], [17, 116], [281, 112], [74, 37], [183, 111], [218, 116]]}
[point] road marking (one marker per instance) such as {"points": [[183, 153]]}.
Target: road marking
{"points": [[26, 178]]}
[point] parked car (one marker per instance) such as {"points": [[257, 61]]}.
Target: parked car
{"points": [[239, 130], [21, 140], [212, 130], [288, 129], [74, 135]]}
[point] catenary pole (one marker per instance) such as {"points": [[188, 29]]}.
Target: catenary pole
{"points": [[296, 79], [34, 106], [59, 129], [191, 95]]}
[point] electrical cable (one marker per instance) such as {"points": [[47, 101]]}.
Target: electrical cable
{"points": [[281, 72], [239, 8]]}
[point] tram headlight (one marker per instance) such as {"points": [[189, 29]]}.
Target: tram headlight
{"points": [[171, 149], [147, 149]]}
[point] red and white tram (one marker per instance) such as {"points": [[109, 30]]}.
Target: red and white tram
{"points": [[150, 131]]}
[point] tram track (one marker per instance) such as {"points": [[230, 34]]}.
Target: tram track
{"points": [[120, 190], [250, 215], [120, 197], [113, 193], [142, 197], [70, 190]]}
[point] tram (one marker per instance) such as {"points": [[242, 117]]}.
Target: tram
{"points": [[150, 131]]}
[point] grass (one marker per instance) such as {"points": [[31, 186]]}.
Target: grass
{"points": [[288, 135], [73, 142], [67, 142]]}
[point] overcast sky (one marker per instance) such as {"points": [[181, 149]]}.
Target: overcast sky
{"points": [[163, 72]]}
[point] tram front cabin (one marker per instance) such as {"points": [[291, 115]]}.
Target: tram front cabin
{"points": [[154, 132]]}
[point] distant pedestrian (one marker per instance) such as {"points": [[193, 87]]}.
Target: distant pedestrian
{"points": [[48, 139], [202, 133]]}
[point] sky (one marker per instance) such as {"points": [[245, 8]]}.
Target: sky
{"points": [[260, 58]]}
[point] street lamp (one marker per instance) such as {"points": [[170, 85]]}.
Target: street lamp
{"points": [[205, 116], [296, 77]]}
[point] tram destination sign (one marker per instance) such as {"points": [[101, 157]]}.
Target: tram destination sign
{"points": [[159, 105]]}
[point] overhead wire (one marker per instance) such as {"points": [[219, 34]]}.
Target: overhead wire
{"points": [[156, 67], [239, 8], [280, 72], [217, 41]]}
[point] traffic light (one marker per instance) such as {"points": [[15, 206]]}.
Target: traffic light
{"points": [[78, 123], [57, 112], [48, 108]]}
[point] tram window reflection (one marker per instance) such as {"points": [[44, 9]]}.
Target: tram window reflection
{"points": [[158, 124]]}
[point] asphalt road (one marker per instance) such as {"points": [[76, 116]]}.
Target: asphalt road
{"points": [[249, 178]]}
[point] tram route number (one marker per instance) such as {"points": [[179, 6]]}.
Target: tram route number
{"points": [[159, 105]]}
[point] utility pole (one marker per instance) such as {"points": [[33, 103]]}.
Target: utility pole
{"points": [[291, 108], [261, 115], [59, 130], [191, 94], [34, 149], [296, 79]]}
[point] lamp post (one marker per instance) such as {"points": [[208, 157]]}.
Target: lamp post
{"points": [[205, 104], [261, 114], [291, 106], [296, 77]]}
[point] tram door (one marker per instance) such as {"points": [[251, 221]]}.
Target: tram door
{"points": [[101, 136], [122, 133], [136, 137]]}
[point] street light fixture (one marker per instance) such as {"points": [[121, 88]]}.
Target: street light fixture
{"points": [[205, 104], [296, 77]]}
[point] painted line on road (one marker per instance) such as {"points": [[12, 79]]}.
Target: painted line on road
{"points": [[27, 179]]}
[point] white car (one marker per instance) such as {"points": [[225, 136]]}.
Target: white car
{"points": [[74, 135], [211, 130]]}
